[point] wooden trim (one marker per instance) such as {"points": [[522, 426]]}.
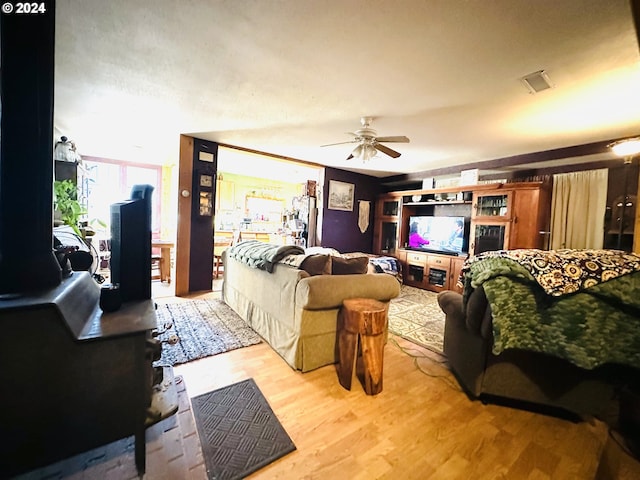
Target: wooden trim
{"points": [[113, 161], [183, 238], [464, 188], [272, 155], [513, 161]]}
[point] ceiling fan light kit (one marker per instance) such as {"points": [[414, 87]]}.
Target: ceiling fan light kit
{"points": [[369, 144], [365, 151]]}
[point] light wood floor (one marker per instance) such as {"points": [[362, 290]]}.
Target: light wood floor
{"points": [[420, 426]]}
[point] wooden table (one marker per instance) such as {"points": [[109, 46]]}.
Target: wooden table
{"points": [[165, 247], [218, 248], [362, 324]]}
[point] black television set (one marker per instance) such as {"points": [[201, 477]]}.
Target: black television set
{"points": [[439, 234], [130, 262]]}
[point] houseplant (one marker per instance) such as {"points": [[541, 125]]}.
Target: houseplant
{"points": [[66, 204]]}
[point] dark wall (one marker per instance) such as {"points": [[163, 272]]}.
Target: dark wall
{"points": [[201, 246], [619, 221], [340, 228], [27, 261]]}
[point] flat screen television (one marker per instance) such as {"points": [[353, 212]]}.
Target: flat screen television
{"points": [[439, 234]]}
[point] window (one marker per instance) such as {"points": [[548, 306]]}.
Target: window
{"points": [[110, 181]]}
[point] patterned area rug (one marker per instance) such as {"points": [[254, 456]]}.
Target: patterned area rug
{"points": [[200, 328], [239, 432], [416, 316]]}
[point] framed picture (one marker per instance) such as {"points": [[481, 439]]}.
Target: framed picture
{"points": [[206, 180], [206, 204], [341, 195]]}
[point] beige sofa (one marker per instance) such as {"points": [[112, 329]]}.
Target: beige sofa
{"points": [[297, 313]]}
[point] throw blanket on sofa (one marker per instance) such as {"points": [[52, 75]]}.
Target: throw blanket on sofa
{"points": [[381, 264], [595, 325], [378, 263], [261, 255], [560, 272]]}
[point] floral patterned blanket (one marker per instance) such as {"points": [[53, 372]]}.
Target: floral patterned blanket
{"points": [[580, 305], [567, 271]]}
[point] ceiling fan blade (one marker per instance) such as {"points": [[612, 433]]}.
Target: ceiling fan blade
{"points": [[350, 156], [339, 143], [387, 150], [398, 139]]}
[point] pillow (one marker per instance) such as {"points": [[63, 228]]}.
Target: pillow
{"points": [[321, 250], [346, 266], [317, 265]]}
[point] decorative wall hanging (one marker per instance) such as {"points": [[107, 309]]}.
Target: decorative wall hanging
{"points": [[364, 206]]}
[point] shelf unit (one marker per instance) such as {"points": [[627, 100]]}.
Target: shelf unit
{"points": [[387, 221], [502, 216], [515, 216]]}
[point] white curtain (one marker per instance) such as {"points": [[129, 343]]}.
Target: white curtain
{"points": [[578, 206]]}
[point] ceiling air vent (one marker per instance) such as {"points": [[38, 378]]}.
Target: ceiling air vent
{"points": [[537, 81]]}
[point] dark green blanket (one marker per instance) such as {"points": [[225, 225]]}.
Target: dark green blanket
{"points": [[597, 325]]}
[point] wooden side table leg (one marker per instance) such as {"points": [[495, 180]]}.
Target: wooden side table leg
{"points": [[347, 347], [372, 357]]}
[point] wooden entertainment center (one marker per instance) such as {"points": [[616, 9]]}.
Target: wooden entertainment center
{"points": [[499, 216]]}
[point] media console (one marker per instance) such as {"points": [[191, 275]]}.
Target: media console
{"points": [[431, 271]]}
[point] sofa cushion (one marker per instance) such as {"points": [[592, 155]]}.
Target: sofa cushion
{"points": [[349, 266], [329, 291], [317, 265]]}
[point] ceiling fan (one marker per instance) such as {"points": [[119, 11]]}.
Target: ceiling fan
{"points": [[369, 144]]}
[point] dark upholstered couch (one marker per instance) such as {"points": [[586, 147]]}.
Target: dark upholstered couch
{"points": [[530, 377]]}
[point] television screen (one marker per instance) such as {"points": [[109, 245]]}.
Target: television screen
{"points": [[438, 234]]}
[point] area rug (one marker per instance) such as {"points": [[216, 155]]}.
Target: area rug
{"points": [[200, 328], [239, 433], [416, 316]]}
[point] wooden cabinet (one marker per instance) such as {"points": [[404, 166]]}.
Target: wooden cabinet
{"points": [[416, 258], [488, 235], [393, 210], [512, 216], [386, 228], [430, 271], [531, 217], [456, 267], [437, 275], [494, 205], [414, 269], [502, 216]]}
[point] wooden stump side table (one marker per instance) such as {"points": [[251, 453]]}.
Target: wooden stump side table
{"points": [[362, 324]]}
